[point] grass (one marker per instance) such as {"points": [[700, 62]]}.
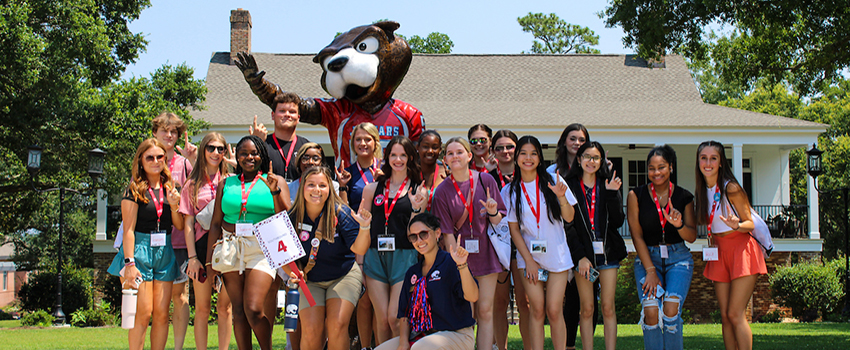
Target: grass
{"points": [[766, 336]]}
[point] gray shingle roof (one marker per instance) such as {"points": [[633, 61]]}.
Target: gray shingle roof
{"points": [[515, 90]]}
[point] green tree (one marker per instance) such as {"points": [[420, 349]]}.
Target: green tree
{"points": [[804, 42], [435, 42], [555, 36]]}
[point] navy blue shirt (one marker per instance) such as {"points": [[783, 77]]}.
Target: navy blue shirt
{"points": [[333, 260], [356, 185], [449, 310]]}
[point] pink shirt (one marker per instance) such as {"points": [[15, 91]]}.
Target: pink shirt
{"points": [[180, 169], [206, 193]]}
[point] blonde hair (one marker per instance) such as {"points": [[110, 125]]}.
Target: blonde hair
{"points": [[139, 180], [199, 171], [462, 141], [372, 131], [327, 224], [166, 119]]}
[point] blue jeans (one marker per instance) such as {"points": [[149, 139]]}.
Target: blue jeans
{"points": [[675, 274]]}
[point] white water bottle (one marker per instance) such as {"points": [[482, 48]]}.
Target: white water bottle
{"points": [[128, 308]]}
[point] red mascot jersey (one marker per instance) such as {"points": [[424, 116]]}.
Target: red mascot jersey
{"points": [[341, 116]]}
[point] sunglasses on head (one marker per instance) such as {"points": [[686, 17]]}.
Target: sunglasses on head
{"points": [[219, 149], [476, 141], [504, 148], [151, 159], [422, 235]]}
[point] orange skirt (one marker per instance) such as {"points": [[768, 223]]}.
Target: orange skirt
{"points": [[739, 256]]}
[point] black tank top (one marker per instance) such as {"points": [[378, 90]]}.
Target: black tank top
{"points": [[399, 218], [648, 215]]}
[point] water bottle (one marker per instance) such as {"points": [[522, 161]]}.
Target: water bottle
{"points": [[290, 320], [128, 308]]}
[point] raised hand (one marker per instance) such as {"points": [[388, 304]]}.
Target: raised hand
{"points": [[491, 206], [173, 197], [190, 152], [258, 129], [674, 217], [614, 184], [232, 156], [418, 198], [459, 253], [733, 221], [342, 176], [560, 187], [363, 217], [376, 172], [271, 180], [246, 63]]}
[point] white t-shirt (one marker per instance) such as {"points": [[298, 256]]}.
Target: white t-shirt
{"points": [[556, 257]]}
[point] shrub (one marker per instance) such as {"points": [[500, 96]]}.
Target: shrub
{"points": [[111, 289], [39, 318], [774, 316], [5, 316], [715, 316], [626, 300], [98, 316], [39, 293], [808, 289]]}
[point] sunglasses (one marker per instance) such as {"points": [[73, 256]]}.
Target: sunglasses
{"points": [[481, 140], [313, 159], [219, 149], [504, 148], [151, 159], [422, 235]]}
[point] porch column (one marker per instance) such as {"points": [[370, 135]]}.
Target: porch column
{"points": [[738, 162], [814, 217], [100, 231]]}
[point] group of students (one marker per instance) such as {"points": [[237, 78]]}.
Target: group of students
{"points": [[408, 223]]}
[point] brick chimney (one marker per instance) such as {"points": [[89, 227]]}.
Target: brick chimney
{"points": [[240, 32]]}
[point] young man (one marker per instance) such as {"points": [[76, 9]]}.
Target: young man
{"points": [[283, 144]]}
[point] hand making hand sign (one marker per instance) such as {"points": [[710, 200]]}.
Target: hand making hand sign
{"points": [[491, 207], [614, 184], [190, 152], [258, 129]]}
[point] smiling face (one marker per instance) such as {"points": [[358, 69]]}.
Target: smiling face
{"points": [[316, 189], [423, 246], [591, 160], [480, 143], [574, 140], [310, 158], [214, 157], [429, 149], [167, 135], [709, 162], [248, 157], [398, 158], [658, 170], [504, 149], [457, 157], [364, 144], [285, 116], [153, 160], [527, 158]]}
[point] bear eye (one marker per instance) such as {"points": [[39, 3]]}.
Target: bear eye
{"points": [[368, 45]]}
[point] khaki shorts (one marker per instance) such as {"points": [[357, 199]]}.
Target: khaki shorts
{"points": [[247, 255], [461, 339], [347, 287]]}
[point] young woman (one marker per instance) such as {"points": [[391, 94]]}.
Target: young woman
{"points": [[310, 155], [434, 310], [661, 219], [251, 196], [331, 234], [722, 205], [465, 203], [148, 210], [390, 199], [433, 173], [594, 241], [479, 138], [199, 191], [538, 205], [504, 144], [573, 136]]}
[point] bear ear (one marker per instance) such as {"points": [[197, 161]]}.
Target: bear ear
{"points": [[388, 27]]}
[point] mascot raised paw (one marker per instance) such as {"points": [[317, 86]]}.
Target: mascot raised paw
{"points": [[362, 68]]}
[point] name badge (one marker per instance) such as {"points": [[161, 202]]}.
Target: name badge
{"points": [[386, 243], [710, 253], [245, 229], [663, 249], [539, 247], [158, 239], [472, 246], [598, 247]]}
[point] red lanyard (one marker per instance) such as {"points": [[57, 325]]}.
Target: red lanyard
{"points": [[245, 195], [713, 208], [431, 190], [212, 185], [171, 164], [387, 207], [591, 207], [527, 198], [658, 206], [288, 153], [362, 175], [468, 206], [157, 204], [501, 178]]}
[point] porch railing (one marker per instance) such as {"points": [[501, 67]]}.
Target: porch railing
{"points": [[784, 221]]}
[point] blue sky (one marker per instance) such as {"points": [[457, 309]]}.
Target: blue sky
{"points": [[190, 31]]}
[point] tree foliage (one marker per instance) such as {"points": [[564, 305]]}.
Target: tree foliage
{"points": [[435, 42], [806, 42], [555, 36]]}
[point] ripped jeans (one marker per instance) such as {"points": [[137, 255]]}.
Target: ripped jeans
{"points": [[675, 274]]}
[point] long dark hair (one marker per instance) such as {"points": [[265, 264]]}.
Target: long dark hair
{"points": [[561, 153], [545, 179], [412, 160], [576, 170], [261, 148], [483, 127], [500, 134], [725, 177]]}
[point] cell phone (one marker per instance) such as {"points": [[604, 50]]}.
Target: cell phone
{"points": [[202, 275], [542, 275], [592, 275]]}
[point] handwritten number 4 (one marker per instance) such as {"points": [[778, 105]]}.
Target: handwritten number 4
{"points": [[281, 247]]}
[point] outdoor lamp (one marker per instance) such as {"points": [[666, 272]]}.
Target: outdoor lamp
{"points": [[96, 157], [813, 163], [34, 159]]}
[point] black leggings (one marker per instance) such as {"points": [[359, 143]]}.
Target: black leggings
{"points": [[572, 308]]}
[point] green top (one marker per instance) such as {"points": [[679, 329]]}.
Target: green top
{"points": [[260, 201]]}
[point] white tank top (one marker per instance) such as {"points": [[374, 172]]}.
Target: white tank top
{"points": [[717, 225]]}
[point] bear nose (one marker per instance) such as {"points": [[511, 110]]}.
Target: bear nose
{"points": [[337, 63]]}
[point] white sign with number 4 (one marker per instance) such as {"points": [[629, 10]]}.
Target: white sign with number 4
{"points": [[278, 240]]}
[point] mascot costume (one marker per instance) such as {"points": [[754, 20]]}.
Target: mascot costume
{"points": [[362, 69]]}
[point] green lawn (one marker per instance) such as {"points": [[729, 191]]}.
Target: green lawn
{"points": [[767, 336]]}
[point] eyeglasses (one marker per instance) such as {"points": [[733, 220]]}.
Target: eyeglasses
{"points": [[151, 159], [311, 159], [481, 140], [504, 148], [590, 158], [219, 149], [423, 235]]}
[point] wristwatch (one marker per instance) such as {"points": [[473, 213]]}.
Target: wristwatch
{"points": [[343, 188], [129, 260], [275, 193]]}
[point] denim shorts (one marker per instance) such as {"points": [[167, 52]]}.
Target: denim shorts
{"points": [[601, 265], [389, 267], [154, 263]]}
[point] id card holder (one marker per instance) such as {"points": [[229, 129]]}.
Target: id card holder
{"points": [[539, 247], [471, 246], [386, 243], [710, 253], [598, 247], [244, 229], [158, 238], [663, 249]]}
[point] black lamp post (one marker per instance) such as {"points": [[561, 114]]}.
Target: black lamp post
{"points": [[95, 170], [814, 168]]}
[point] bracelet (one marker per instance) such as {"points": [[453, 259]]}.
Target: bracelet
{"points": [[366, 227], [275, 193], [492, 215], [343, 188], [649, 268], [130, 264], [208, 264], [461, 266], [683, 225]]}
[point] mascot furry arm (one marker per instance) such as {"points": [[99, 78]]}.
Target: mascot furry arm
{"points": [[361, 70]]}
